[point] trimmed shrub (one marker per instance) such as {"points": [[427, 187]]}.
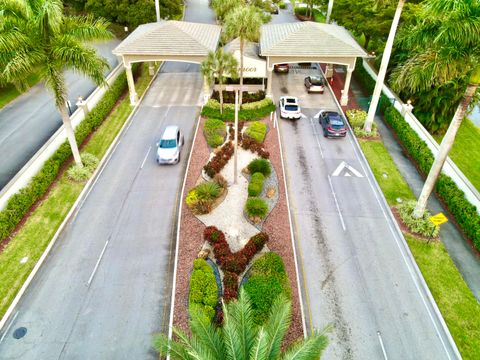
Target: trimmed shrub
{"points": [[251, 111], [253, 146], [255, 187], [214, 131], [203, 289], [20, 203], [256, 207], [209, 190], [282, 5], [267, 280], [217, 163], [357, 118], [230, 286], [229, 96], [260, 166], [79, 174], [422, 225], [257, 131], [200, 199]]}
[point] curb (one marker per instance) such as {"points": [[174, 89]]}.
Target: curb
{"points": [[398, 233], [78, 203]]}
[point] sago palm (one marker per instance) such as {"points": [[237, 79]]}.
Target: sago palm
{"points": [[35, 36], [240, 338], [243, 22], [444, 47], [219, 65]]}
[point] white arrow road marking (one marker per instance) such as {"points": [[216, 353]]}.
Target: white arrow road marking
{"points": [[303, 116], [351, 170]]}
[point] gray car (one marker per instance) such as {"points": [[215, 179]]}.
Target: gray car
{"points": [[170, 145]]}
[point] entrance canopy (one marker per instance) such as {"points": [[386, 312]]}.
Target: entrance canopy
{"points": [[309, 42], [169, 41]]}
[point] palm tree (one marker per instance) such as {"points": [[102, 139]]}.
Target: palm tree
{"points": [[35, 36], [383, 68], [243, 22], [329, 11], [223, 7], [219, 65], [239, 338], [444, 47]]}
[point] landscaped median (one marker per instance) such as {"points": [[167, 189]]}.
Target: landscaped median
{"points": [[32, 217], [246, 245], [456, 302]]}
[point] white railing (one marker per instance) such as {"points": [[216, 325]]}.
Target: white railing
{"points": [[33, 166], [450, 169]]}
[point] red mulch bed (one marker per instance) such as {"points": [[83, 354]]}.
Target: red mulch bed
{"points": [[277, 226]]}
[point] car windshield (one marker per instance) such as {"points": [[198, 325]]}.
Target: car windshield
{"points": [[291, 107], [337, 123], [316, 80], [168, 144]]}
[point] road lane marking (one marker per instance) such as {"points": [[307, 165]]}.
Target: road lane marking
{"points": [[382, 346], [336, 203], [402, 252], [146, 156], [316, 138], [349, 169], [98, 263], [8, 327]]}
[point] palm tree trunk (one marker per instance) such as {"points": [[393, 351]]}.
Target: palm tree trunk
{"points": [[329, 11], [445, 147], [67, 124], [241, 72], [383, 68], [220, 83]]}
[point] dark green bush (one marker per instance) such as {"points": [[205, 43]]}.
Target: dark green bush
{"points": [[215, 131], [255, 187], [267, 280], [203, 289], [257, 131], [20, 203], [261, 166], [251, 111], [465, 213], [256, 207]]}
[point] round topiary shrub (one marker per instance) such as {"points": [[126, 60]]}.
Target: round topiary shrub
{"points": [[256, 207], [79, 174], [89, 161], [261, 166]]}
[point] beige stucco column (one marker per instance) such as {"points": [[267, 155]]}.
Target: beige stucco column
{"points": [[344, 98], [269, 83], [151, 68], [131, 84], [329, 71]]}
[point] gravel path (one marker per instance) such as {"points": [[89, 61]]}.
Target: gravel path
{"points": [[276, 226]]}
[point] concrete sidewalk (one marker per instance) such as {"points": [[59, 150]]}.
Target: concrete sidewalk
{"points": [[460, 249]]}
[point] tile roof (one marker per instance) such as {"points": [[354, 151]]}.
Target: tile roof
{"points": [[171, 38], [309, 39]]}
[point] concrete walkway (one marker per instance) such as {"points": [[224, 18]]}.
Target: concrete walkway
{"points": [[460, 250]]}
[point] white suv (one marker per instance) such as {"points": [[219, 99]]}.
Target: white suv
{"points": [[170, 146], [289, 107]]}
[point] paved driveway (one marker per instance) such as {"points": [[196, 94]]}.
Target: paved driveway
{"points": [[357, 274], [104, 290]]}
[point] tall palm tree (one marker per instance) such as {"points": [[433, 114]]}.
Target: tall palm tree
{"points": [[240, 338], [35, 36], [219, 65], [223, 7], [445, 46], [383, 67], [243, 22]]}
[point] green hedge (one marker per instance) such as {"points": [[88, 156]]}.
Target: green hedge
{"points": [[257, 131], [203, 289], [267, 280], [251, 111], [215, 131], [20, 203], [464, 212]]}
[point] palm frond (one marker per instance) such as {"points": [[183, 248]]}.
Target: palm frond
{"points": [[86, 28], [233, 347], [242, 316], [243, 22], [308, 349], [19, 64], [165, 347], [48, 16], [277, 325], [13, 9], [55, 81], [210, 336], [261, 346]]}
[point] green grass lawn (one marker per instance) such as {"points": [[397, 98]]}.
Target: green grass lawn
{"points": [[393, 186], [34, 236], [456, 302], [10, 93], [465, 151]]}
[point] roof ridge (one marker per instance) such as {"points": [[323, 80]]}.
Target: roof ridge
{"points": [[191, 24]]}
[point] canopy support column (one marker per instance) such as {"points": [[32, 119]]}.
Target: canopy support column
{"points": [[346, 88], [269, 83], [206, 90], [131, 84]]}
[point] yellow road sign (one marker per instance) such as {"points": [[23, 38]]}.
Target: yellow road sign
{"points": [[438, 219]]}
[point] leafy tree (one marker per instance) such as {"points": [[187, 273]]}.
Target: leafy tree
{"points": [[37, 37], [240, 338], [444, 47], [223, 7], [218, 65], [243, 22]]}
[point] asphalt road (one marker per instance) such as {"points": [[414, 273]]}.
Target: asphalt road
{"points": [[103, 292], [357, 275], [31, 119]]}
